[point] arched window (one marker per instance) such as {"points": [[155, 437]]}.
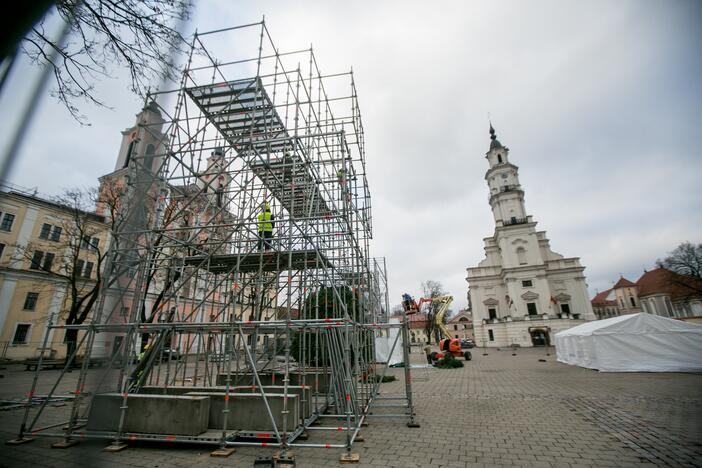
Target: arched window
{"points": [[149, 159], [130, 149], [521, 255], [499, 159], [633, 301]]}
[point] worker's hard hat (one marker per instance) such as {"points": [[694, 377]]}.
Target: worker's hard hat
{"points": [[146, 346]]}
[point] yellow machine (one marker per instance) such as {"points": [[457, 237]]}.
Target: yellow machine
{"points": [[447, 344]]}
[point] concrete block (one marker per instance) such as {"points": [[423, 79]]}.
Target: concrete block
{"points": [[151, 414], [247, 411], [304, 393], [319, 382]]}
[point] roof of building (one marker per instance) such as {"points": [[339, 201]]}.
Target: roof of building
{"points": [[418, 321], [623, 283], [55, 205], [462, 316], [662, 281], [601, 299]]}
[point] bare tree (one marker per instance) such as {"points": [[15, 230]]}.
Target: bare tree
{"points": [[76, 258], [432, 289], [143, 37], [685, 260], [397, 311]]}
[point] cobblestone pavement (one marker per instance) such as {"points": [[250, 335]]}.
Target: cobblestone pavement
{"points": [[499, 410]]}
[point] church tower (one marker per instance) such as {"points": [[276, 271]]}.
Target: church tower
{"points": [[143, 147], [506, 194], [522, 291]]}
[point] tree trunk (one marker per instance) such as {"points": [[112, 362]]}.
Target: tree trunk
{"points": [[71, 344]]}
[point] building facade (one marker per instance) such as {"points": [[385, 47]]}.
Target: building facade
{"points": [[461, 325], [658, 292], [522, 293], [418, 329], [42, 245]]}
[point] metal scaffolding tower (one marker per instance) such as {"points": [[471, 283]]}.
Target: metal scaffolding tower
{"points": [[205, 291]]}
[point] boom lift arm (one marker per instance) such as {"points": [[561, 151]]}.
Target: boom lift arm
{"points": [[448, 344]]}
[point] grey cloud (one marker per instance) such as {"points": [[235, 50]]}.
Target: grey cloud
{"points": [[600, 103]]}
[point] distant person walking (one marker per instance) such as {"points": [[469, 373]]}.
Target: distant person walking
{"points": [[427, 351], [265, 228]]}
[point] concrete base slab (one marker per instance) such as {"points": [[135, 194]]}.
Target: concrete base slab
{"points": [[223, 452], [319, 382], [64, 444], [247, 411], [115, 447], [349, 458], [19, 441], [283, 455], [264, 462], [150, 414]]}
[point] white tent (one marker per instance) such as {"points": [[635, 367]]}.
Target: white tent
{"points": [[633, 343], [384, 342]]}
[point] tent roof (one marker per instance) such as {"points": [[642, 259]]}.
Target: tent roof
{"points": [[632, 323]]}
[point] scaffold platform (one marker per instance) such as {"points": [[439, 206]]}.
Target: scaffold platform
{"points": [[265, 261]]}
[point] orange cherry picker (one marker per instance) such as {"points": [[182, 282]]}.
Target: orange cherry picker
{"points": [[447, 344]]}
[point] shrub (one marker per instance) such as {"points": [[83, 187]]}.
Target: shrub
{"points": [[448, 362]]}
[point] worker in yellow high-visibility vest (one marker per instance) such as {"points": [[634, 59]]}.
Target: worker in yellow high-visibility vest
{"points": [[265, 228]]}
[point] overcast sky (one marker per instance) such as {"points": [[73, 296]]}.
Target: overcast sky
{"points": [[600, 103]]}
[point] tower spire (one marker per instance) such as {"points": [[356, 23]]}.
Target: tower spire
{"points": [[495, 143]]}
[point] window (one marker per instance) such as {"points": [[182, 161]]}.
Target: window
{"points": [[2, 249], [527, 284], [521, 253], [669, 307], [491, 336], [36, 260], [455, 327], [21, 333], [30, 302], [149, 159], [492, 313], [56, 233], [89, 243], [79, 267], [633, 301], [499, 158], [45, 230], [49, 234], [48, 261], [129, 153], [565, 308], [531, 308], [7, 220], [88, 269]]}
